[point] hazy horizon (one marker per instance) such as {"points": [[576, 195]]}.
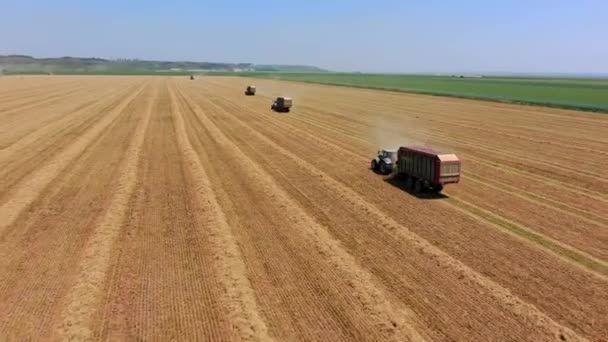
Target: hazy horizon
{"points": [[522, 37]]}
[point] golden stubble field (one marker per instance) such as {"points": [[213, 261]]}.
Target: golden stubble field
{"points": [[151, 208]]}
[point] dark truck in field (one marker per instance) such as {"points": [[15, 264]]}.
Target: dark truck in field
{"points": [[250, 91], [422, 168], [282, 104]]}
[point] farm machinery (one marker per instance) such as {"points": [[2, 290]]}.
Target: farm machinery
{"points": [[250, 91], [282, 104], [422, 168]]}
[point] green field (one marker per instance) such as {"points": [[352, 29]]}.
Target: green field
{"points": [[584, 94]]}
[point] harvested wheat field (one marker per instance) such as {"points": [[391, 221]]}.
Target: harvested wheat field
{"points": [[157, 208]]}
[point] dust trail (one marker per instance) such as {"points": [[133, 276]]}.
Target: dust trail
{"points": [[398, 128]]}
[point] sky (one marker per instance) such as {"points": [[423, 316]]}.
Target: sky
{"points": [[437, 36]]}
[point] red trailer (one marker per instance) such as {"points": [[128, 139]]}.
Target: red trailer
{"points": [[424, 168]]}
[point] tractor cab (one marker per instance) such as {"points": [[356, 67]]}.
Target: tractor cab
{"points": [[385, 161], [390, 154]]}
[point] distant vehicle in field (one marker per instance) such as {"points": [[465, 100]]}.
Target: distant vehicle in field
{"points": [[191, 77], [422, 168], [250, 91], [282, 104]]}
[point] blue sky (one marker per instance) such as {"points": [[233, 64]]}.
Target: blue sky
{"points": [[380, 36]]}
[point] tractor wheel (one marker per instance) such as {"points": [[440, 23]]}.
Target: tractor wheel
{"points": [[374, 164], [286, 110], [418, 186], [438, 188], [383, 168]]}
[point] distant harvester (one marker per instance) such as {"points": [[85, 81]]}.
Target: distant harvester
{"points": [[282, 104], [250, 91]]}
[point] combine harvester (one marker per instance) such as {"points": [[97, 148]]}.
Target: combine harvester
{"points": [[422, 168], [250, 91], [282, 104]]}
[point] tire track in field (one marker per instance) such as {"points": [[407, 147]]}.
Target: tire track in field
{"points": [[53, 118], [26, 103], [277, 130], [518, 159], [343, 146], [46, 240], [84, 297], [56, 96], [378, 309], [571, 252], [32, 89], [24, 90], [372, 245], [29, 190], [584, 260], [26, 156], [163, 282], [583, 234], [241, 301], [285, 277], [531, 140], [566, 251], [571, 207], [500, 293], [595, 263], [524, 293]]}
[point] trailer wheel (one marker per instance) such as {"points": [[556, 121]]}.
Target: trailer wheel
{"points": [[418, 186], [374, 164], [409, 182]]}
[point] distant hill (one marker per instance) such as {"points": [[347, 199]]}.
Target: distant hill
{"points": [[29, 64]]}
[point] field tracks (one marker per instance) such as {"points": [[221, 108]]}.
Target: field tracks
{"points": [[563, 208], [48, 99], [397, 323], [596, 266], [240, 299], [59, 126], [84, 298], [591, 264], [500, 293], [161, 208], [31, 188]]}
